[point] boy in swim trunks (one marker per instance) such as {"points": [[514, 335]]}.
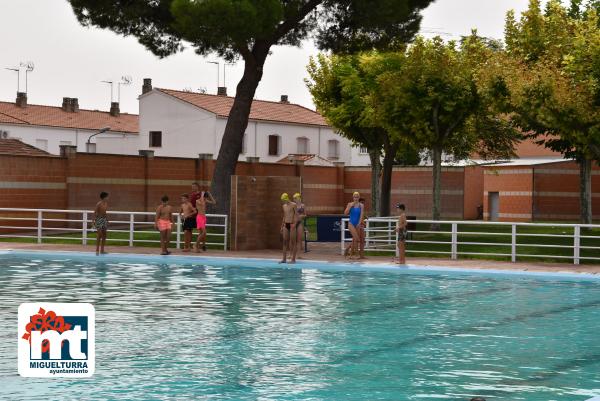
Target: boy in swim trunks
{"points": [[205, 199], [300, 216], [100, 222], [188, 216], [288, 226], [401, 230], [163, 222]]}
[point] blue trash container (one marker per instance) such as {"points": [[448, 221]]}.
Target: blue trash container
{"points": [[329, 227]]}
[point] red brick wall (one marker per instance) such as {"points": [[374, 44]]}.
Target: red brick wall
{"points": [[473, 187], [413, 187], [256, 212], [515, 187], [556, 194]]}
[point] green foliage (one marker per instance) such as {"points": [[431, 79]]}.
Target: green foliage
{"points": [[232, 28], [548, 79], [429, 96]]}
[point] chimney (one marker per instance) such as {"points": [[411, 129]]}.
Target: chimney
{"points": [[74, 105], [222, 91], [21, 99], [284, 99], [114, 109], [147, 87], [66, 104]]}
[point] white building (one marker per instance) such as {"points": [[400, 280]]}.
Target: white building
{"points": [[178, 124], [48, 127], [185, 124]]}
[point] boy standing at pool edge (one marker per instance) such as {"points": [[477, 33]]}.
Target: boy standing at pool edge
{"points": [[401, 230], [100, 222], [188, 214], [163, 222], [205, 199], [288, 227]]}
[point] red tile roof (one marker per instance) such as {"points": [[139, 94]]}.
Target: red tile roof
{"points": [[261, 109], [50, 116], [12, 146], [308, 159]]}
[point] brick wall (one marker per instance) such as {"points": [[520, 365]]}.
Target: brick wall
{"points": [[256, 211], [515, 186], [556, 195]]}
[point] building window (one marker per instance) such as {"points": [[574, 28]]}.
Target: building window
{"points": [[363, 150], [155, 139], [333, 149], [41, 144], [274, 143], [303, 146]]}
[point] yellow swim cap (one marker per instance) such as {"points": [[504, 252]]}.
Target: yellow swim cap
{"points": [[297, 195], [285, 197], [355, 194]]}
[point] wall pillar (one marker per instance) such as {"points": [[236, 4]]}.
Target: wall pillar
{"points": [[340, 170]]}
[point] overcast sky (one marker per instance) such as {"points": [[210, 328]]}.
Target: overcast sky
{"points": [[71, 60]]}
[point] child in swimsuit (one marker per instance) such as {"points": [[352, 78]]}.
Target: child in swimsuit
{"points": [[300, 216], [163, 223], [402, 233], [205, 199], [100, 222], [288, 231], [188, 214], [355, 210]]}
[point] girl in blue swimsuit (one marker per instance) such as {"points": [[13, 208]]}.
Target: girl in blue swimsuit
{"points": [[355, 211]]}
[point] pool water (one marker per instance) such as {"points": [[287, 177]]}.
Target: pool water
{"points": [[168, 329]]}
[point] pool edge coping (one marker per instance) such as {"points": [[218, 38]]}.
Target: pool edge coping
{"points": [[324, 264]]}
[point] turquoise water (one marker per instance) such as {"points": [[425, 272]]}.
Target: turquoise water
{"points": [[170, 330]]}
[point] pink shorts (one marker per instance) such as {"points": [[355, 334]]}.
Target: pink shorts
{"points": [[201, 221], [164, 224]]}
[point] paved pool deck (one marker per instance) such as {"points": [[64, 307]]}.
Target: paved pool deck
{"points": [[321, 252]]}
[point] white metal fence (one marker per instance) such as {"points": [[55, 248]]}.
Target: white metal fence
{"points": [[128, 228], [523, 241]]}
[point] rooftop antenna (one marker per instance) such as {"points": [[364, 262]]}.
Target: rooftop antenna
{"points": [[18, 71], [224, 67], [125, 80], [111, 89], [218, 70], [29, 66]]}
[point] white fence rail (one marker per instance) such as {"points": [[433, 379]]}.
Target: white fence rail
{"points": [[524, 241], [131, 228]]}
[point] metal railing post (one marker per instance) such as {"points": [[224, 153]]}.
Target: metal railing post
{"points": [[513, 243], [131, 228], [454, 244], [343, 235], [39, 227], [225, 232], [576, 244], [84, 231], [178, 232], [367, 234]]}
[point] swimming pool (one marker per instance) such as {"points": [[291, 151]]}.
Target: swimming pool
{"points": [[224, 329]]}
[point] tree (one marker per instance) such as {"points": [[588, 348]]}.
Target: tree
{"points": [[249, 29], [428, 95], [548, 79], [340, 86]]}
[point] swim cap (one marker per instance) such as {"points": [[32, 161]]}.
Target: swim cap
{"points": [[285, 197], [355, 194], [297, 195]]}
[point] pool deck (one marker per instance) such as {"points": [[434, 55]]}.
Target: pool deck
{"points": [[321, 252]]}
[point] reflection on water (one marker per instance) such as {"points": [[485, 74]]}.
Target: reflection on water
{"points": [[175, 331]]}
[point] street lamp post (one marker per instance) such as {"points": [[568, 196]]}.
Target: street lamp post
{"points": [[88, 145]]}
